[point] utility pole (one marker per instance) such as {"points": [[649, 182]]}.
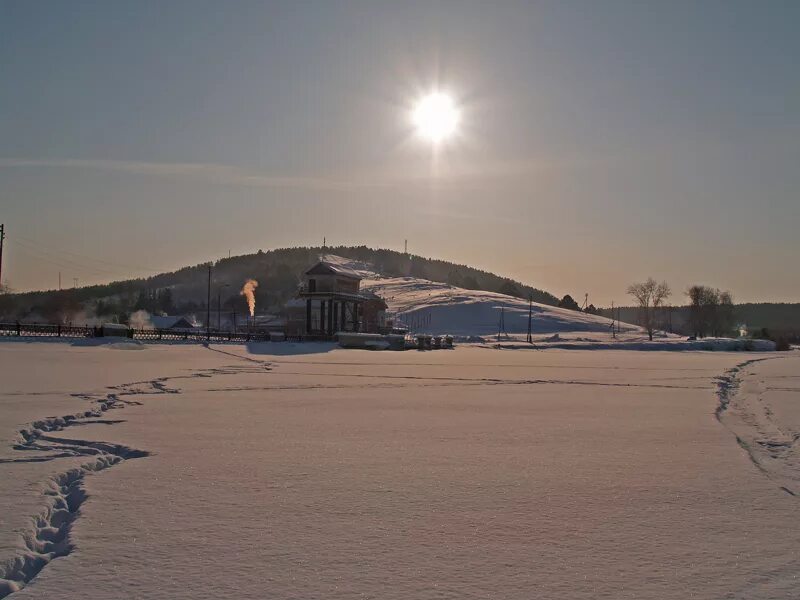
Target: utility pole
{"points": [[208, 306], [59, 281], [502, 325], [406, 247], [613, 333], [530, 318], [2, 237]]}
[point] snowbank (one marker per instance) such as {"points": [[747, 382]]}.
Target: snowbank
{"points": [[671, 344]]}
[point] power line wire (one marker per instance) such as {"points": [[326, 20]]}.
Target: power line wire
{"points": [[60, 252], [64, 263]]}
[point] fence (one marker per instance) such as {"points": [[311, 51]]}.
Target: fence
{"points": [[38, 330], [44, 330]]}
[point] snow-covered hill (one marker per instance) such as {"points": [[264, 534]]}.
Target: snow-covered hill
{"points": [[444, 308], [449, 309]]}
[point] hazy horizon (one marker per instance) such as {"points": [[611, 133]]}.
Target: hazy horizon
{"points": [[600, 143]]}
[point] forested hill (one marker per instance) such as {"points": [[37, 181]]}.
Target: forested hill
{"points": [[277, 271]]}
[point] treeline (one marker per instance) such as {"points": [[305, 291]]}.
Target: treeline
{"points": [[765, 319], [710, 312], [278, 272]]}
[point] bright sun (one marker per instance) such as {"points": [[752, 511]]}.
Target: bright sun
{"points": [[435, 117]]}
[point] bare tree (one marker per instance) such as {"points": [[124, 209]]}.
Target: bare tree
{"points": [[650, 295], [726, 313], [710, 311]]}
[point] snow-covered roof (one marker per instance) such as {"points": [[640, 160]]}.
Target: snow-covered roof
{"points": [[340, 265], [170, 321]]}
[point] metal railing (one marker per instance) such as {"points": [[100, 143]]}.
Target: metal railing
{"points": [[37, 330], [44, 330]]}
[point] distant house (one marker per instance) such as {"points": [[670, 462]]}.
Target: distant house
{"points": [[332, 301], [170, 322], [263, 323], [374, 314]]}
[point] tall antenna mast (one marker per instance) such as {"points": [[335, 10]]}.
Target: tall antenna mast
{"points": [[406, 247]]}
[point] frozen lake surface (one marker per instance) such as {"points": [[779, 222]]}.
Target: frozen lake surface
{"points": [[304, 471]]}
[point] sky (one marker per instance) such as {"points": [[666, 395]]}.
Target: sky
{"points": [[599, 142]]}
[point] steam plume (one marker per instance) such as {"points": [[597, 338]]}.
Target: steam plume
{"points": [[248, 291]]}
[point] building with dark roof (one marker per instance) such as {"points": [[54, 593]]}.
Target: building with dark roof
{"points": [[334, 301]]}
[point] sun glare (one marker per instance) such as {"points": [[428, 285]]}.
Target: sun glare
{"points": [[435, 117]]}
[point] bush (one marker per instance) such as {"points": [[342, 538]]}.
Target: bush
{"points": [[569, 303], [782, 344]]}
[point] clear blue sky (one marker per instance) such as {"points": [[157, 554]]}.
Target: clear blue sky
{"points": [[602, 141]]}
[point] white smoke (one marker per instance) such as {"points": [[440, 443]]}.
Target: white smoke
{"points": [[248, 291], [140, 320]]}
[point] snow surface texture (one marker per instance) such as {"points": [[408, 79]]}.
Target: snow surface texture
{"points": [[634, 341], [758, 403], [346, 473]]}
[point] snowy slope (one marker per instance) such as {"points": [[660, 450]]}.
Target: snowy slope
{"points": [[459, 311], [448, 309]]}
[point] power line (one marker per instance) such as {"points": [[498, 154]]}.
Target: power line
{"points": [[42, 248], [64, 263], [39, 251]]}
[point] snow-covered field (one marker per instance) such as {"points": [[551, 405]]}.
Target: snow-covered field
{"points": [[306, 471]]}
